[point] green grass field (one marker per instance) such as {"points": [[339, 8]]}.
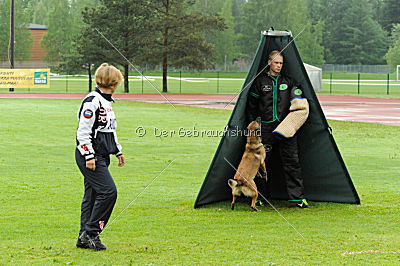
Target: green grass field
{"points": [[41, 190]]}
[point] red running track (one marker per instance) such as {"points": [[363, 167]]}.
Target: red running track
{"points": [[346, 108]]}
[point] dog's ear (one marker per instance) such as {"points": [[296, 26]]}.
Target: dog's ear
{"points": [[232, 183], [250, 128]]}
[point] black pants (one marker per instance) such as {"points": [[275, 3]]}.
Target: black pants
{"points": [[288, 151], [100, 194]]}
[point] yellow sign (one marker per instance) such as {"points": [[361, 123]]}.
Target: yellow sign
{"points": [[25, 78]]}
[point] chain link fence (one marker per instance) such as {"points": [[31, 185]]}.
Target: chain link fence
{"points": [[378, 69]]}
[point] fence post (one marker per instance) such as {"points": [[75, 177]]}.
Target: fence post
{"points": [[330, 84], [66, 83], [180, 81], [142, 81], [218, 82], [90, 76], [358, 83], [387, 89]]}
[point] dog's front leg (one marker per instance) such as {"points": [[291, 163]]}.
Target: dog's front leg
{"points": [[264, 169], [259, 174], [233, 201]]}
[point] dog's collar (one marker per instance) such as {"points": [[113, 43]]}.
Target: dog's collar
{"points": [[256, 147], [252, 143]]}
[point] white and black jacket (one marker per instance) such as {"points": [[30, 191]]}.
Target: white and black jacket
{"points": [[96, 132]]}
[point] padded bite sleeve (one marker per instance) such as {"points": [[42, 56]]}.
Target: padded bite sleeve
{"points": [[299, 110]]}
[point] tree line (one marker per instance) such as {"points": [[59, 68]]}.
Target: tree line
{"points": [[203, 34]]}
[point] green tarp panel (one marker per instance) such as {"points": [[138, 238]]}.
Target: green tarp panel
{"points": [[325, 175]]}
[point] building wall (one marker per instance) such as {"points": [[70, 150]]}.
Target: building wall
{"points": [[37, 52]]}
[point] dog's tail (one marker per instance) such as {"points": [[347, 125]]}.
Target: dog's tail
{"points": [[234, 183]]}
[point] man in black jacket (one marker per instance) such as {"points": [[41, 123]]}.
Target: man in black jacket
{"points": [[283, 110]]}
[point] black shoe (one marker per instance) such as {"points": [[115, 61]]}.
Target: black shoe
{"points": [[82, 242], [94, 243]]}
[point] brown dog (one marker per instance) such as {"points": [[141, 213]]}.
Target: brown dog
{"points": [[253, 158]]}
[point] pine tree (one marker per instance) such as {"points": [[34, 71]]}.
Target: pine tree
{"points": [[125, 25], [180, 38], [393, 54], [225, 41], [309, 37], [259, 15], [225, 44], [40, 11], [23, 38], [351, 35], [390, 14], [61, 31], [237, 11]]}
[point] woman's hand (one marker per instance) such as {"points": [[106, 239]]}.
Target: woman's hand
{"points": [[121, 160], [91, 164]]}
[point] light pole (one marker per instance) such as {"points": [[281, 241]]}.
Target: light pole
{"points": [[12, 37]]}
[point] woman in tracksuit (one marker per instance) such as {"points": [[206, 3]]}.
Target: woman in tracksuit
{"points": [[96, 140]]}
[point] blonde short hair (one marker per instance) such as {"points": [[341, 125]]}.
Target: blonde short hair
{"points": [[108, 76], [274, 54]]}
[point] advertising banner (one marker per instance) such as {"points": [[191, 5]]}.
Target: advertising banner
{"points": [[24, 78]]}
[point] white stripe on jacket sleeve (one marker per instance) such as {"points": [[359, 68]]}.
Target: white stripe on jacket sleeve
{"points": [[83, 135]]}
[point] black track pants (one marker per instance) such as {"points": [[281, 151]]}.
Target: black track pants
{"points": [[100, 194], [289, 154]]}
